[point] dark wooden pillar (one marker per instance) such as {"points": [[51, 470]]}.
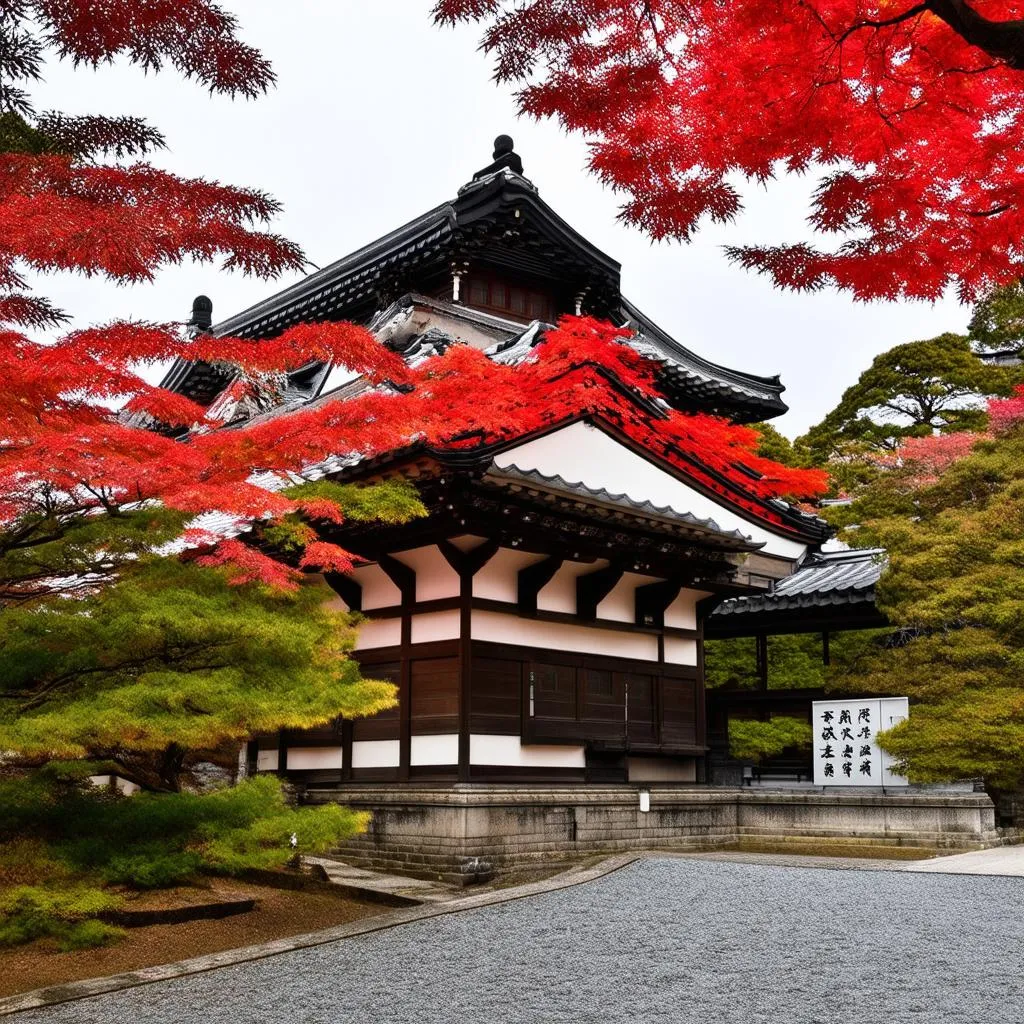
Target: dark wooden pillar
{"points": [[467, 564], [761, 647], [282, 752], [405, 579]]}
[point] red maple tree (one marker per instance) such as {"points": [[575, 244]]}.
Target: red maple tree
{"points": [[909, 111], [76, 411]]}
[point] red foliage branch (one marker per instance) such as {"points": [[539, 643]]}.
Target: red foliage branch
{"points": [[70, 442], [910, 112]]}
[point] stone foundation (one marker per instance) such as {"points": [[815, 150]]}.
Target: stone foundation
{"points": [[464, 833]]}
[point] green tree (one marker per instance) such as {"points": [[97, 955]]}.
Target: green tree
{"points": [[164, 662], [751, 740], [913, 390], [997, 323], [954, 590]]}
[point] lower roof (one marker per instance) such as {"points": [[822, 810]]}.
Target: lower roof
{"points": [[830, 585]]}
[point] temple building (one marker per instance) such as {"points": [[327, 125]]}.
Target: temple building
{"points": [[545, 622]]}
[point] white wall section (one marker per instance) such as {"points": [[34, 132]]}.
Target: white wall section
{"points": [[442, 749], [303, 759], [498, 580], [560, 593], [583, 453], [378, 590], [680, 652], [620, 604], [375, 754], [435, 578], [509, 750], [435, 626], [510, 629], [379, 633]]}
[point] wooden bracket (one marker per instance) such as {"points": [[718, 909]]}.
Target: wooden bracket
{"points": [[653, 599], [533, 579], [593, 588], [347, 589]]}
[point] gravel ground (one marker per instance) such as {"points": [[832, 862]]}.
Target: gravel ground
{"points": [[662, 940]]}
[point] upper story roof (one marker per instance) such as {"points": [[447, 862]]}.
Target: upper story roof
{"points": [[497, 224]]}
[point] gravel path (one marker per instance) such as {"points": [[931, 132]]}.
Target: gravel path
{"points": [[663, 940]]}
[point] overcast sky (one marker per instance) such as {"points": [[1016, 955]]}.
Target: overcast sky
{"points": [[378, 116]]}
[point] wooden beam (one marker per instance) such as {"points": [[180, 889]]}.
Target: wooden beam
{"points": [[593, 588], [653, 599], [401, 575], [347, 589], [533, 579]]}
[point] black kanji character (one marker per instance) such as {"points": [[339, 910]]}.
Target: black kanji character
{"points": [[828, 733], [864, 734], [847, 769], [864, 715], [865, 767], [848, 751], [865, 751], [829, 770], [828, 751], [827, 716], [847, 734], [844, 716]]}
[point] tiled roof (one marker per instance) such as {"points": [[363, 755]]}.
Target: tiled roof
{"points": [[826, 578], [557, 484]]}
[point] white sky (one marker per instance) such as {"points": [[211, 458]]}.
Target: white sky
{"points": [[378, 116]]}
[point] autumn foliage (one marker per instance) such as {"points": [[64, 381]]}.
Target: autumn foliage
{"points": [[908, 114]]}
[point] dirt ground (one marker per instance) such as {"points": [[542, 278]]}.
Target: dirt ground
{"points": [[279, 913]]}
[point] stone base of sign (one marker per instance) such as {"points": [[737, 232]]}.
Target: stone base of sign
{"points": [[465, 833]]}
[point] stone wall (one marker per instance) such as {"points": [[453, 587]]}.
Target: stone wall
{"points": [[464, 833]]}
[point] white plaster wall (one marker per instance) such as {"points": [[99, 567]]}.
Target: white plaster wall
{"points": [[682, 612], [680, 652], [375, 754], [620, 604], [581, 452], [560, 593], [498, 580], [266, 761], [305, 759], [435, 626], [659, 769], [442, 749], [509, 750], [378, 590], [379, 633], [509, 629], [435, 578]]}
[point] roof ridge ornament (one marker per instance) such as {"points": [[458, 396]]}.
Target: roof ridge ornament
{"points": [[505, 157]]}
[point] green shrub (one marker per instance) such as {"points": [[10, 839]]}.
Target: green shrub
{"points": [[89, 935], [750, 740], [35, 912], [154, 840]]}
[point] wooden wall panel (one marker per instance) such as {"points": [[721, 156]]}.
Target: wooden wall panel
{"points": [[434, 702], [554, 692], [496, 696], [679, 713], [384, 725], [643, 725]]}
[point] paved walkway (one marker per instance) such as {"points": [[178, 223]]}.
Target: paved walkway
{"points": [[675, 940], [1001, 860]]}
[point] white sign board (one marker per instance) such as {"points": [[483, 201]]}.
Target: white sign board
{"points": [[846, 752]]}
